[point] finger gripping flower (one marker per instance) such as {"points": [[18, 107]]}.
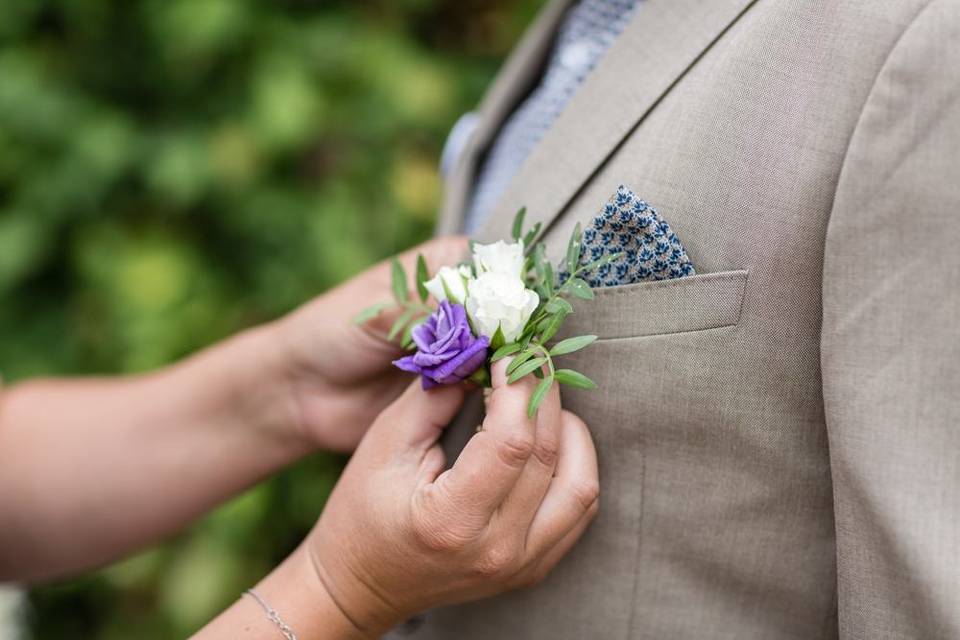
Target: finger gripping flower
{"points": [[447, 351]]}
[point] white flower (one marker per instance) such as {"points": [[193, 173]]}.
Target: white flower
{"points": [[499, 257], [452, 280], [500, 300]]}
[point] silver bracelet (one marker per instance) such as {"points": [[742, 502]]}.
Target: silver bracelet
{"points": [[273, 615]]}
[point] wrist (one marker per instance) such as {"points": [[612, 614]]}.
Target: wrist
{"points": [[296, 590], [257, 390]]}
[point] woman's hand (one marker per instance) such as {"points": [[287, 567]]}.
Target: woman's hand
{"points": [[399, 534], [337, 376]]}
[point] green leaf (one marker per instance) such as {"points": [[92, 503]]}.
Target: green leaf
{"points": [[422, 276], [518, 224], [571, 344], [602, 260], [531, 235], [371, 312], [540, 262], [504, 351], [538, 395], [558, 304], [497, 340], [573, 249], [551, 326], [526, 368], [579, 288], [400, 323], [407, 340], [519, 360], [574, 379], [399, 277]]}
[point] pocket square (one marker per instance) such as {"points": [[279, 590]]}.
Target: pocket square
{"points": [[648, 249]]}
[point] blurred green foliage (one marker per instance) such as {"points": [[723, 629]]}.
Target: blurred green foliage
{"points": [[174, 170]]}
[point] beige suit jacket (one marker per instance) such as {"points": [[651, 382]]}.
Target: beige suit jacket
{"points": [[779, 435]]}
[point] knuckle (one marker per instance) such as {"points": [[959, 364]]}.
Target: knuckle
{"points": [[515, 448], [546, 451], [497, 562], [587, 494]]}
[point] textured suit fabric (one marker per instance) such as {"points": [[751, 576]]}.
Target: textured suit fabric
{"points": [[778, 435]]}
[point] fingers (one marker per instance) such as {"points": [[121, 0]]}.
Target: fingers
{"points": [[438, 252], [544, 565], [494, 459], [416, 419], [573, 493], [375, 284], [520, 506]]}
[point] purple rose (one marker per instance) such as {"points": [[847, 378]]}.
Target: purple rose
{"points": [[447, 350]]}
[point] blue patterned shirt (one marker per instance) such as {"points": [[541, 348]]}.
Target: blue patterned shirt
{"points": [[588, 30]]}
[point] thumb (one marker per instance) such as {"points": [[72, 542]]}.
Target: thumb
{"points": [[417, 418]]}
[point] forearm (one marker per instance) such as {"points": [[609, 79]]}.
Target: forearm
{"points": [[93, 468], [299, 599]]}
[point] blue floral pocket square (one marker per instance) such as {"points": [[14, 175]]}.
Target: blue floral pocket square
{"points": [[648, 249]]}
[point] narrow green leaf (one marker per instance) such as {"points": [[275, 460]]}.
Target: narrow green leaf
{"points": [[526, 368], [573, 249], [400, 323], [422, 276], [519, 360], [531, 235], [518, 224], [571, 344], [407, 340], [371, 312], [579, 288], [497, 340], [538, 395], [551, 327], [399, 278], [574, 379], [558, 304], [539, 256], [602, 260], [504, 351]]}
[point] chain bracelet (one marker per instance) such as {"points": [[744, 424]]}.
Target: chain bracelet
{"points": [[272, 615]]}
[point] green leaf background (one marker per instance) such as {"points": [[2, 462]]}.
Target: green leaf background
{"points": [[172, 171]]}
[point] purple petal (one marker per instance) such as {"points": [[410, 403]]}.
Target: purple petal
{"points": [[424, 335], [408, 364], [424, 359], [465, 363]]}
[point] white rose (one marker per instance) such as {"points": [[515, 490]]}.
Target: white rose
{"points": [[455, 281], [499, 257], [500, 300]]}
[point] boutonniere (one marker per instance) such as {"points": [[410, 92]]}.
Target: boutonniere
{"points": [[507, 301]]}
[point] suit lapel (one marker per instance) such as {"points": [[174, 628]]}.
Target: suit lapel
{"points": [[663, 40], [513, 82]]}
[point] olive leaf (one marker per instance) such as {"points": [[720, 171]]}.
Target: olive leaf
{"points": [[422, 276], [538, 395], [399, 282], [371, 312], [574, 379], [571, 344]]}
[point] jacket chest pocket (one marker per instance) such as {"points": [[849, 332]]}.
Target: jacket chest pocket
{"points": [[693, 303]]}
